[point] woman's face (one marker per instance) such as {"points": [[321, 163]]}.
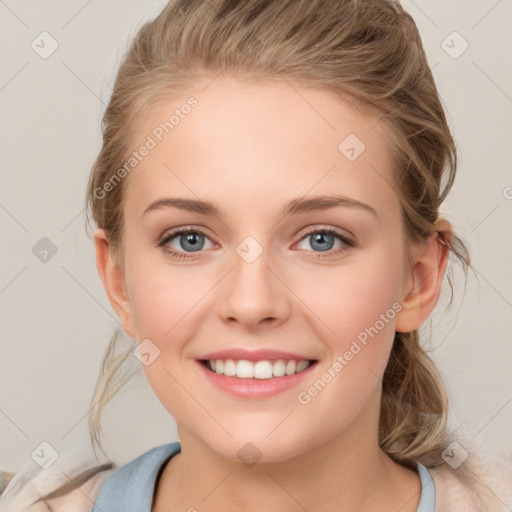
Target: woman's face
{"points": [[259, 278]]}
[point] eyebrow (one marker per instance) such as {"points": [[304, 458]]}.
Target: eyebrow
{"points": [[295, 206]]}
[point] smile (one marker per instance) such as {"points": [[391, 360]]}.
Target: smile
{"points": [[265, 369], [258, 379]]}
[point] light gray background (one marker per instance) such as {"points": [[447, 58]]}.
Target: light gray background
{"points": [[55, 317]]}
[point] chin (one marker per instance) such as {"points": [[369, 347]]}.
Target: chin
{"points": [[252, 449]]}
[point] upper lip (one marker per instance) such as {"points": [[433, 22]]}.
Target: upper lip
{"points": [[253, 355]]}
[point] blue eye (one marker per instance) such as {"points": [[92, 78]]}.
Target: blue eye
{"points": [[323, 240], [191, 240]]}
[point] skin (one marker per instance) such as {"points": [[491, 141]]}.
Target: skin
{"points": [[251, 148]]}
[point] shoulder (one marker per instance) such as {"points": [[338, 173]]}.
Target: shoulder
{"points": [[475, 486], [70, 484], [74, 481], [133, 485]]}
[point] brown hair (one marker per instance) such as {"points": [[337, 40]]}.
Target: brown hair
{"points": [[367, 50]]}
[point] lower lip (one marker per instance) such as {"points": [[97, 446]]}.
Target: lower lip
{"points": [[255, 388]]}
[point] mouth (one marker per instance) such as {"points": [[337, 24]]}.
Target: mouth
{"points": [[262, 369], [257, 379], [254, 374]]}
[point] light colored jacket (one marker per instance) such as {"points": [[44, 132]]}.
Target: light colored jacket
{"points": [[492, 493]]}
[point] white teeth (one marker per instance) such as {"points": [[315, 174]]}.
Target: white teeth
{"points": [[291, 366], [302, 365], [229, 368], [279, 368], [263, 370], [244, 369]]}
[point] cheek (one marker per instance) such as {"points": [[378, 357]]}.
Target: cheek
{"points": [[154, 310], [357, 302], [161, 296], [162, 302], [353, 296]]}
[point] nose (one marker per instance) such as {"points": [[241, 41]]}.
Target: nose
{"points": [[254, 295]]}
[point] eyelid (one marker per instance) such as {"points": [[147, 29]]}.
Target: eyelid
{"points": [[184, 229], [347, 239], [343, 233]]}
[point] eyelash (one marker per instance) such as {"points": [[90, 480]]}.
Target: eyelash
{"points": [[349, 242]]}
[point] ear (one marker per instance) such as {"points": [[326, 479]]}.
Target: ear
{"points": [[423, 286], [111, 275]]}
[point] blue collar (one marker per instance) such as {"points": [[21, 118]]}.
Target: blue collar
{"points": [[132, 486], [428, 490]]}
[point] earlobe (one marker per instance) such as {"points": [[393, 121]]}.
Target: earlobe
{"points": [[424, 286], [112, 277]]}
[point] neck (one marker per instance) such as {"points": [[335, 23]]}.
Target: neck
{"points": [[348, 472]]}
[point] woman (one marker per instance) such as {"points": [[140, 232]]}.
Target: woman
{"points": [[267, 208]]}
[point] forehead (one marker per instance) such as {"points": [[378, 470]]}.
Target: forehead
{"points": [[241, 141]]}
